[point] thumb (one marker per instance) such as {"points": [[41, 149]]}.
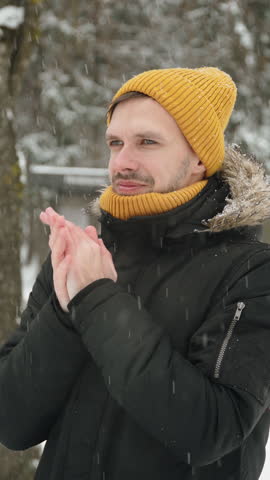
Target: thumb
{"points": [[92, 233], [104, 250], [64, 265]]}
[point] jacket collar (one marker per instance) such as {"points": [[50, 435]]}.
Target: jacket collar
{"points": [[172, 225], [238, 196]]}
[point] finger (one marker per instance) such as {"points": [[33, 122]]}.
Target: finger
{"points": [[104, 250], [102, 246], [77, 234], [55, 231], [71, 232], [54, 218], [50, 211], [44, 218], [55, 222], [57, 254], [60, 282], [63, 267], [92, 233], [58, 248]]}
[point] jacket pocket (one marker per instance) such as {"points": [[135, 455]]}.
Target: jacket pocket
{"points": [[238, 312]]}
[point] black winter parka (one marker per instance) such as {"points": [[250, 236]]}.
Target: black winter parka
{"points": [[163, 375]]}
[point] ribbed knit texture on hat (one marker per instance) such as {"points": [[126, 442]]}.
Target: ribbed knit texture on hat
{"points": [[200, 100], [153, 203]]}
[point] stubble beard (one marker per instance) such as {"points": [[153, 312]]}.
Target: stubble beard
{"points": [[176, 184], [179, 180]]}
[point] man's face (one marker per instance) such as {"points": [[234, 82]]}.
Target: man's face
{"points": [[148, 152]]}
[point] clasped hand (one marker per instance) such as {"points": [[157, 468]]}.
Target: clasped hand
{"points": [[78, 256]]}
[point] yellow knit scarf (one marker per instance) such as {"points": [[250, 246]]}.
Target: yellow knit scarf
{"points": [[125, 207]]}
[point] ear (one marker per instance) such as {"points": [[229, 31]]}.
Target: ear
{"points": [[198, 168], [201, 167]]}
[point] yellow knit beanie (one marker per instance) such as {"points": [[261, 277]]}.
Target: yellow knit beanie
{"points": [[200, 100]]}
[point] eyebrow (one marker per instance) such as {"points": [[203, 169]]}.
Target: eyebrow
{"points": [[146, 134]]}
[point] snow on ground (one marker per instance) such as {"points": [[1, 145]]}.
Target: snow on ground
{"points": [[11, 17]]}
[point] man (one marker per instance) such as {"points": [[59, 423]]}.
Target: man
{"points": [[145, 353]]}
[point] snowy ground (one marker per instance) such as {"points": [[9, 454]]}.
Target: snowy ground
{"points": [[28, 277]]}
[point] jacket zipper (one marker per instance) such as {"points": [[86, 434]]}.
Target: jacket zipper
{"points": [[236, 318]]}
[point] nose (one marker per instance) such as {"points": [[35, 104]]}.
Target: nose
{"points": [[124, 159]]}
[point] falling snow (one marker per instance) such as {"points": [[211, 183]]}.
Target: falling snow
{"points": [[72, 103]]}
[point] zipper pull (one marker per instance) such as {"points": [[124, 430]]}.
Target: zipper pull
{"points": [[240, 308]]}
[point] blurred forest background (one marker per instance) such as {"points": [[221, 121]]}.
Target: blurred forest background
{"points": [[61, 62]]}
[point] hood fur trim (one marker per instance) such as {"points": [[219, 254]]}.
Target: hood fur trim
{"points": [[249, 200]]}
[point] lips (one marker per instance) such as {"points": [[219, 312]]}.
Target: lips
{"points": [[130, 184], [129, 187]]}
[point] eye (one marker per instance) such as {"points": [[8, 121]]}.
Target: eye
{"points": [[115, 143], [148, 141]]}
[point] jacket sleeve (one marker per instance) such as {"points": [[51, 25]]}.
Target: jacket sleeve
{"points": [[200, 407], [38, 366]]}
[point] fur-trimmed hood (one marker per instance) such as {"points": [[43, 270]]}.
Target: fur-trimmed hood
{"points": [[248, 203]]}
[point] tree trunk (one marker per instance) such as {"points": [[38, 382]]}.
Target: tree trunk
{"points": [[14, 465]]}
